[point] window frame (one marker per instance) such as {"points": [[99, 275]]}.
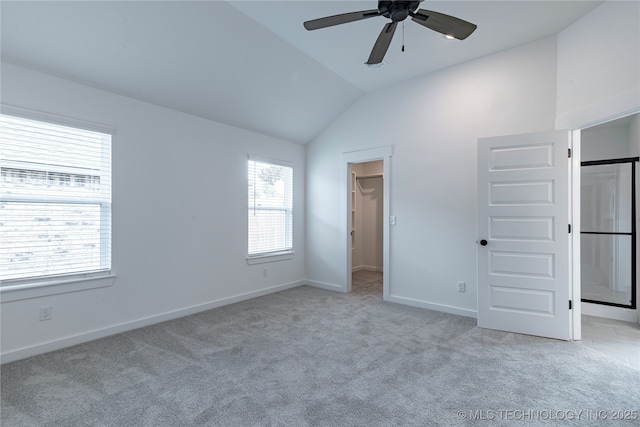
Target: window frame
{"points": [[276, 254], [44, 285]]}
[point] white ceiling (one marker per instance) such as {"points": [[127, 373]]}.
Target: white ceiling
{"points": [[344, 49], [251, 64]]}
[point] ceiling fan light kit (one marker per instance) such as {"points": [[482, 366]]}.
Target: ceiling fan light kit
{"points": [[397, 11]]}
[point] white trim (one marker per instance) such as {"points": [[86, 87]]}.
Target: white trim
{"points": [[268, 160], [434, 306], [54, 199], [616, 107], [262, 259], [386, 232], [362, 156], [47, 287], [32, 281], [327, 286], [287, 208], [574, 242], [26, 113], [25, 352], [349, 228]]}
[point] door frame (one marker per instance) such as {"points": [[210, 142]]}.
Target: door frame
{"points": [[574, 245], [348, 159], [613, 108]]}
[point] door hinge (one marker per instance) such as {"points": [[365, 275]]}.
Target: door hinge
{"points": [[569, 304], [569, 152], [569, 228]]}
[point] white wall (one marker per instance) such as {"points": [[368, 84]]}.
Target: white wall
{"points": [[179, 217], [599, 65], [605, 143], [433, 123]]}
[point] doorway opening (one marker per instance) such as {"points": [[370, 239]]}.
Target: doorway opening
{"points": [[608, 245], [350, 184], [367, 197]]}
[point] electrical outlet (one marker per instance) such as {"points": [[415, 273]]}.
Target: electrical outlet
{"points": [[461, 286], [46, 313]]}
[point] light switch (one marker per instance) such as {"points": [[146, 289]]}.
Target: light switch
{"points": [[392, 220]]}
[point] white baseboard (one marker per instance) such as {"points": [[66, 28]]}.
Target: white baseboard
{"points": [[433, 306], [327, 286], [58, 344], [366, 268]]}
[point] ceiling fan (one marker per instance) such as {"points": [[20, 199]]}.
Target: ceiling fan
{"points": [[398, 11]]}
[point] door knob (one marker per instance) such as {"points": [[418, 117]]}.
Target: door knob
{"points": [[483, 242]]}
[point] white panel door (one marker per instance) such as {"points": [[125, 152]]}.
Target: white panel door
{"points": [[523, 237]]}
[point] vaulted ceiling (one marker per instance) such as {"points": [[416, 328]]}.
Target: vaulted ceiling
{"points": [[251, 64]]}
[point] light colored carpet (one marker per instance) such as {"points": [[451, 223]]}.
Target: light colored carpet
{"points": [[310, 357]]}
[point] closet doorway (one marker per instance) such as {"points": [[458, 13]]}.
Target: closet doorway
{"points": [[367, 196]]}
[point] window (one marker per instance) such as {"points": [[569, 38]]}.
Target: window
{"points": [[270, 207], [55, 200]]}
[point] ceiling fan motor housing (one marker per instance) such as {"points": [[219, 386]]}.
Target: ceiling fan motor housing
{"points": [[397, 10]]}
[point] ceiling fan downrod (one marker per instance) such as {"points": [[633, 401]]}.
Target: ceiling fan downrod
{"points": [[403, 36]]}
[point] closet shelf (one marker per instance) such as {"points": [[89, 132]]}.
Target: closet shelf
{"points": [[373, 175]]}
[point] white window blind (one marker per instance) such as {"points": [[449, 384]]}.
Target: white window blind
{"points": [[270, 207], [55, 199]]}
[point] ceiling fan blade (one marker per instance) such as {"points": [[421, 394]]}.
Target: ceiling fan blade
{"points": [[330, 21], [382, 44], [445, 24]]}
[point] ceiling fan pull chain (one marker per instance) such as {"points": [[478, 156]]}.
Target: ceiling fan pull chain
{"points": [[403, 36]]}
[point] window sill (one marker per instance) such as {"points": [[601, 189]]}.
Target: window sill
{"points": [[261, 259], [56, 286]]}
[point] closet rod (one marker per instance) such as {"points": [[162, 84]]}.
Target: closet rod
{"points": [[373, 175]]}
